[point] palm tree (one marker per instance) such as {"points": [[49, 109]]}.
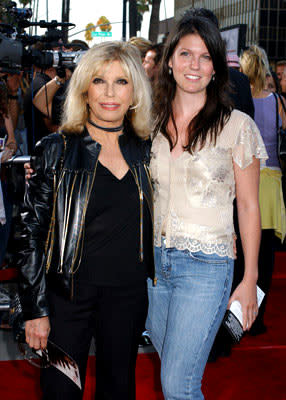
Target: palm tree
{"points": [[154, 21], [88, 29], [25, 2], [143, 6]]}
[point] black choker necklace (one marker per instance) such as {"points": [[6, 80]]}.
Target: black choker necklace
{"points": [[116, 129]]}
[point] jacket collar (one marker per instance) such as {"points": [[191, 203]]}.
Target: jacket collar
{"points": [[87, 150]]}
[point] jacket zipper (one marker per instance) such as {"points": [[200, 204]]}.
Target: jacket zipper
{"points": [[51, 233], [140, 192], [66, 218]]}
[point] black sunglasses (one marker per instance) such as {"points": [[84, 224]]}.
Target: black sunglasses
{"points": [[53, 354]]}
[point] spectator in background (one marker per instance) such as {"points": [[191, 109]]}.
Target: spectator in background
{"points": [[272, 82], [16, 86], [152, 61], [50, 98], [8, 149], [270, 192], [142, 44], [280, 67], [37, 124], [78, 45], [283, 83]]}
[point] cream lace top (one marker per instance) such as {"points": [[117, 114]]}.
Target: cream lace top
{"points": [[193, 194]]}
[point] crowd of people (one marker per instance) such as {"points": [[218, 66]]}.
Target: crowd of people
{"points": [[154, 171]]}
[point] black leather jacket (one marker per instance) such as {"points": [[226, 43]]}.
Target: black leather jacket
{"points": [[56, 201]]}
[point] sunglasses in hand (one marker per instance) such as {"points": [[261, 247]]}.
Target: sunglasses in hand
{"points": [[44, 358]]}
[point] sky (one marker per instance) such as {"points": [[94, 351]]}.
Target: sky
{"points": [[83, 12]]}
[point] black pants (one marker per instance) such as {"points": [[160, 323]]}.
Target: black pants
{"points": [[265, 271], [116, 318], [223, 341]]}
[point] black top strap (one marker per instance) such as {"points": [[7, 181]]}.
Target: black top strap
{"points": [[277, 111]]}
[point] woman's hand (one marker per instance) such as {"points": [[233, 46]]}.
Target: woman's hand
{"points": [[246, 294], [6, 154], [28, 171], [37, 332]]}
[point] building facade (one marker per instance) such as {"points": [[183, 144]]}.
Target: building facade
{"points": [[265, 20]]}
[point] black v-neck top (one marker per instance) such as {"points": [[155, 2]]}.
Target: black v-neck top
{"points": [[111, 243]]}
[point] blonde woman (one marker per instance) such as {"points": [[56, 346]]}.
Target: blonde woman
{"points": [[89, 226], [272, 206]]}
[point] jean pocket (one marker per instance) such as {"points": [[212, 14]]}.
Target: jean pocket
{"points": [[209, 258]]}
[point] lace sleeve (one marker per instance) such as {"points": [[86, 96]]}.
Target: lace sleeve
{"points": [[248, 143]]}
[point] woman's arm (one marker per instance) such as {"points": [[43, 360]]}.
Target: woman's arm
{"points": [[247, 190], [13, 84], [32, 282], [44, 98], [10, 145]]}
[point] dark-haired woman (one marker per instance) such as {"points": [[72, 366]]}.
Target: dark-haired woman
{"points": [[203, 155]]}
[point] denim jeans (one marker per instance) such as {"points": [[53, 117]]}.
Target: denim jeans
{"points": [[186, 308]]}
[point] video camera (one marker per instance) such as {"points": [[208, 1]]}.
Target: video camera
{"points": [[16, 47]]}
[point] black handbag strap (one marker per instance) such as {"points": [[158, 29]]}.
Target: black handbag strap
{"points": [[277, 112]]}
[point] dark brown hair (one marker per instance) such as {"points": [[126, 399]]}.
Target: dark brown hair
{"points": [[210, 120]]}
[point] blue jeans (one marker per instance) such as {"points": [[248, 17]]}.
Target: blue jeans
{"points": [[186, 308]]}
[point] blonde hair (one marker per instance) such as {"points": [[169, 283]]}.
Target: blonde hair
{"points": [[142, 44], [255, 65], [75, 113]]}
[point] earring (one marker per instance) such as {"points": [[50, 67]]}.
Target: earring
{"points": [[213, 77], [133, 107], [170, 71]]}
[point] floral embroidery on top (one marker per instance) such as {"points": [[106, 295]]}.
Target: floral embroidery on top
{"points": [[193, 195]]}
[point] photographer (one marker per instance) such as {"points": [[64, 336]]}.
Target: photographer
{"points": [[9, 148], [17, 84], [37, 124], [50, 98]]}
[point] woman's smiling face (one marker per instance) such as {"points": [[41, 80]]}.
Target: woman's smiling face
{"points": [[109, 95], [191, 64]]}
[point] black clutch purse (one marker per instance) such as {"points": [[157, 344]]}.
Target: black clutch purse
{"points": [[16, 319]]}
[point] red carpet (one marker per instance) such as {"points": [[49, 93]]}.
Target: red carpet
{"points": [[256, 369]]}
